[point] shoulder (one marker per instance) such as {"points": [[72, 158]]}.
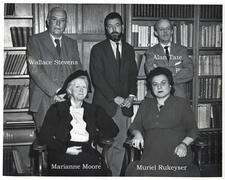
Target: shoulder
{"points": [[127, 45], [39, 35], [68, 39], [179, 47], [180, 101], [100, 44], [153, 48]]}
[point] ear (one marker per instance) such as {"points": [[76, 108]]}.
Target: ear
{"points": [[156, 33], [122, 29]]}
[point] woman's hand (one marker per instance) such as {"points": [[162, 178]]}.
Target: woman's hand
{"points": [[74, 150], [138, 141], [181, 150]]}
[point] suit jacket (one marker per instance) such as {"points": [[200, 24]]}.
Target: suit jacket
{"points": [[108, 81], [55, 131], [47, 69], [178, 60]]}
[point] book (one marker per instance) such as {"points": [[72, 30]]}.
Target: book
{"points": [[18, 135]]}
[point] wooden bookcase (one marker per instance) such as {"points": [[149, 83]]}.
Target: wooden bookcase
{"points": [[199, 28], [18, 123]]}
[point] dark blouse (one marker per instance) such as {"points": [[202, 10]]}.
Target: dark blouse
{"points": [[55, 131], [176, 114]]}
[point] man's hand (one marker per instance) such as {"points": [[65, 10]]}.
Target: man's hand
{"points": [[59, 98], [119, 101], [128, 102]]}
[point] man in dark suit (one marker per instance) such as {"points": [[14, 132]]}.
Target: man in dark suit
{"points": [[114, 71], [51, 56], [169, 55]]}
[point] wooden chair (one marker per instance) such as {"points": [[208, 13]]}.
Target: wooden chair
{"points": [[133, 154], [39, 155]]}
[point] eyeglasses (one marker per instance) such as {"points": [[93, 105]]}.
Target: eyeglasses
{"points": [[161, 84]]}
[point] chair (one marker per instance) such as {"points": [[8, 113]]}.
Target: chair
{"points": [[39, 155], [133, 154]]}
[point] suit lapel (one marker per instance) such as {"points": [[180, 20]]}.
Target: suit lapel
{"points": [[49, 45], [111, 57]]}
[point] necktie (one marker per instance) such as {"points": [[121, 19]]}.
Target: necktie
{"points": [[118, 60], [167, 52], [58, 48]]}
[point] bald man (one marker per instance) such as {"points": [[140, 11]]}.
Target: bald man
{"points": [[169, 55], [51, 56]]}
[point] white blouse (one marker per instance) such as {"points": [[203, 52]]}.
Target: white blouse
{"points": [[78, 132]]}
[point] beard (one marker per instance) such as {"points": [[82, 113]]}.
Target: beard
{"points": [[114, 36]]}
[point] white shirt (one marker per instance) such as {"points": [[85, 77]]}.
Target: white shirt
{"points": [[78, 133], [113, 45], [169, 46], [53, 40]]}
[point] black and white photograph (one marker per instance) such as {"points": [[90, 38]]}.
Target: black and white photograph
{"points": [[112, 89]]}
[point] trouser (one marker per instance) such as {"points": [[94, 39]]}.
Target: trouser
{"points": [[117, 151], [41, 112]]}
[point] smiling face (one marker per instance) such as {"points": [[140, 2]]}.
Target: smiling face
{"points": [[114, 29], [78, 89], [160, 86], [164, 31], [57, 22]]}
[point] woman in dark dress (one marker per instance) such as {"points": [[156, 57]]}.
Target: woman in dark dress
{"points": [[69, 129], [164, 127]]}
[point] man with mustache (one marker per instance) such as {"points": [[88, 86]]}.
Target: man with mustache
{"points": [[113, 71]]}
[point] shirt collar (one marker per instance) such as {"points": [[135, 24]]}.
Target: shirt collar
{"points": [[114, 43], [163, 45], [53, 38]]}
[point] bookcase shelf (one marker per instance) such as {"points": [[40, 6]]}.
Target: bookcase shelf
{"points": [[16, 76], [16, 110], [157, 18], [18, 17], [17, 144], [15, 48]]}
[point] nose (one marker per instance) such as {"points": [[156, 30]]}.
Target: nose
{"points": [[159, 86], [114, 28], [57, 22]]}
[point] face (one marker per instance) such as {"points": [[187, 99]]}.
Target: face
{"points": [[164, 31], [114, 29], [160, 86], [57, 23], [78, 89]]}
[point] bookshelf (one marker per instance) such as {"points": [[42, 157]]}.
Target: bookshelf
{"points": [[199, 28], [19, 130]]}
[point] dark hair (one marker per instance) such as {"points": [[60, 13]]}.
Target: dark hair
{"points": [[112, 15], [160, 71]]}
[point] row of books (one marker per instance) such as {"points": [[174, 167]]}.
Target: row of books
{"points": [[9, 9], [8, 162], [210, 65], [210, 87], [143, 36], [16, 96], [18, 135], [15, 64], [159, 10], [210, 115], [13, 162], [211, 11], [212, 153], [141, 90], [20, 35], [211, 35]]}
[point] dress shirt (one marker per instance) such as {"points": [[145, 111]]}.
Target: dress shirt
{"points": [[113, 44], [53, 40], [169, 47]]}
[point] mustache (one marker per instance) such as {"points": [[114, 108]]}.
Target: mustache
{"points": [[115, 33]]}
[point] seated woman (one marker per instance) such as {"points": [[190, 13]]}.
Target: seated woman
{"points": [[69, 128], [164, 127]]}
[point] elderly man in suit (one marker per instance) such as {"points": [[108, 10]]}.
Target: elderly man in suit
{"points": [[113, 71], [169, 55], [51, 56]]}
